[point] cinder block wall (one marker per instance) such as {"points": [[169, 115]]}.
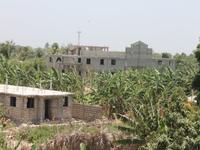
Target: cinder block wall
{"points": [[86, 112], [67, 110], [20, 113], [58, 111]]}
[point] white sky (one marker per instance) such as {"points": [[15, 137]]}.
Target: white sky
{"points": [[165, 25]]}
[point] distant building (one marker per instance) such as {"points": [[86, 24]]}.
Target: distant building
{"points": [[85, 59], [26, 104]]}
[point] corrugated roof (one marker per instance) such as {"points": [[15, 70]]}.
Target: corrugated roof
{"points": [[30, 91]]}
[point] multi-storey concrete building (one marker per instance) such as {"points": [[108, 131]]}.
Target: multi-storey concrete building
{"points": [[99, 59]]}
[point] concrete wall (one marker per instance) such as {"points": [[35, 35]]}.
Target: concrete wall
{"points": [[67, 111], [86, 112], [58, 111], [138, 55], [96, 66], [102, 54], [158, 63], [65, 63]]}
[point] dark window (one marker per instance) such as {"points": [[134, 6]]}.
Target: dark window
{"points": [[30, 103], [50, 59], [79, 72], [65, 102], [79, 60], [101, 61], [160, 62], [88, 61], [58, 59], [113, 62], [13, 101]]}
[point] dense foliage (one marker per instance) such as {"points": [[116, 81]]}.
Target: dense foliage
{"points": [[162, 118], [113, 91], [152, 103], [196, 81]]}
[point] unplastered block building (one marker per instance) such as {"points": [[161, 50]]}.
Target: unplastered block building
{"points": [[85, 59], [27, 104]]}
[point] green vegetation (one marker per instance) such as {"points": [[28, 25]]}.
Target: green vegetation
{"points": [[166, 55], [2, 141], [84, 146], [196, 81], [115, 92], [43, 133], [162, 118], [166, 122], [152, 104]]}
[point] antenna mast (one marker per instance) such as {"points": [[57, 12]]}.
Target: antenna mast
{"points": [[79, 37]]}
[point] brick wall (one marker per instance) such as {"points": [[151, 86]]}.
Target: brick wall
{"points": [[86, 112]]}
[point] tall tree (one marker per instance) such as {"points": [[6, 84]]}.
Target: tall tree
{"points": [[46, 46], [166, 55], [7, 48], [55, 48], [196, 81]]}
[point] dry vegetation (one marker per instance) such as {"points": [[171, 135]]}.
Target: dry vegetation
{"points": [[98, 135]]}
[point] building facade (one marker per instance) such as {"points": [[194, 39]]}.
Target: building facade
{"points": [[85, 59], [26, 104]]}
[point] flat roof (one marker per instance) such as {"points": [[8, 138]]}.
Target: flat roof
{"points": [[30, 91], [92, 46]]}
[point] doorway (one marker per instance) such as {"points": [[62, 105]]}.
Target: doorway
{"points": [[46, 111]]}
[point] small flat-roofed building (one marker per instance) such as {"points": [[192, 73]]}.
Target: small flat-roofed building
{"points": [[27, 104]]}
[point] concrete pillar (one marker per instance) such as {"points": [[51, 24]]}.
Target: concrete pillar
{"points": [[41, 109], [60, 106]]}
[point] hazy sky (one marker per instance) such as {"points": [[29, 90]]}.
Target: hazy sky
{"points": [[165, 25]]}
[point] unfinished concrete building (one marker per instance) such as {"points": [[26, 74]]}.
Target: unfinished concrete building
{"points": [[27, 104], [85, 59]]}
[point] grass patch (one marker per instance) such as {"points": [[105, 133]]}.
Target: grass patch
{"points": [[41, 134], [111, 128], [2, 141]]}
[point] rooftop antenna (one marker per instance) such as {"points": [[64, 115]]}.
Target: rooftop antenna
{"points": [[79, 37]]}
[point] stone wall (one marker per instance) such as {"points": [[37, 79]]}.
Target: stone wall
{"points": [[86, 112]]}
